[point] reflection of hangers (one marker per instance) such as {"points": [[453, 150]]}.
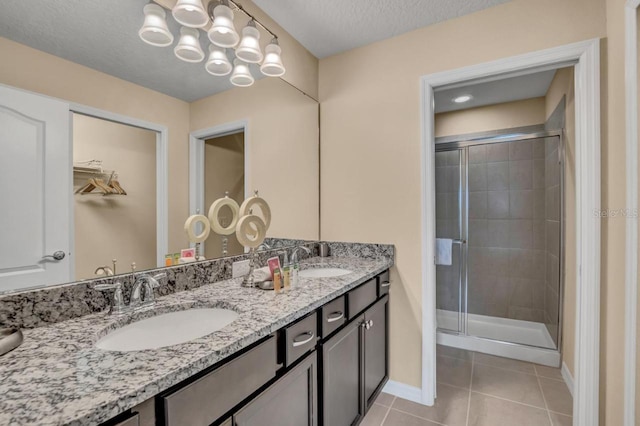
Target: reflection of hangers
{"points": [[102, 185], [115, 185], [88, 187]]}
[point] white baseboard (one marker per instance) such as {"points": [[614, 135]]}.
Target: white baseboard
{"points": [[401, 390], [568, 378]]}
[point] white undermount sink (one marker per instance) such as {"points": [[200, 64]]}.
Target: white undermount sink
{"points": [[167, 329], [323, 272]]}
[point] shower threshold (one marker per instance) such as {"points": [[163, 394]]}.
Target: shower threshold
{"points": [[523, 340]]}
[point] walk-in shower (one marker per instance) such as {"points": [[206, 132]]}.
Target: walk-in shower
{"points": [[500, 200]]}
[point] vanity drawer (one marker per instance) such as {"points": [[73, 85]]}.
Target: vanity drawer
{"points": [[361, 297], [208, 398], [383, 283], [134, 420], [300, 338], [333, 316]]}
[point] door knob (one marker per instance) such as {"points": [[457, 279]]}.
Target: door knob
{"points": [[58, 255]]}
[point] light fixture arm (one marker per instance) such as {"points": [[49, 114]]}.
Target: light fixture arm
{"points": [[239, 7]]}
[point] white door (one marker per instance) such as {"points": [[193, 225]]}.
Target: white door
{"points": [[35, 190]]}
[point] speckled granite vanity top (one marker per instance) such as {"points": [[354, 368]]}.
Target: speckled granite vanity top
{"points": [[58, 377]]}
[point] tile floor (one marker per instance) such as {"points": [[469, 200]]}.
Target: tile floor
{"points": [[475, 389]]}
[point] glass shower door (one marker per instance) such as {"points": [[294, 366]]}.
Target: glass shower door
{"points": [[450, 203]]}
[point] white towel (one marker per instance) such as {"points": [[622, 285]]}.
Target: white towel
{"points": [[443, 251]]}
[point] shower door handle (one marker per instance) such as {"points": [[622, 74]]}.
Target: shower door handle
{"points": [[460, 241]]}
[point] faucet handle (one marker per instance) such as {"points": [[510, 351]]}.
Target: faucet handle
{"points": [[157, 277], [117, 285], [117, 305]]}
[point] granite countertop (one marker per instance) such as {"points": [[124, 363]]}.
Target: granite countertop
{"points": [[58, 377]]}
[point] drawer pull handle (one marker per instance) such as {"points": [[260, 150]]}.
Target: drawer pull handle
{"points": [[335, 316], [298, 342], [387, 284]]}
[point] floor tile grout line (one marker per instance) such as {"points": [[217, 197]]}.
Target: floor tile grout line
{"points": [[507, 369], [418, 417], [473, 363], [562, 414], [509, 400], [388, 411], [544, 398]]}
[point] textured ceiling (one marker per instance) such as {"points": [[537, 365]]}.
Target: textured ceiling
{"points": [[328, 27], [103, 35], [495, 92]]}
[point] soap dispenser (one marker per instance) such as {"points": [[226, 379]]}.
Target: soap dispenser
{"points": [[286, 272]]}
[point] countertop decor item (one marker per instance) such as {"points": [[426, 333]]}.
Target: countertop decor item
{"points": [[10, 338]]}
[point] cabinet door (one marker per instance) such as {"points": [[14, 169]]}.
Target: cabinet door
{"points": [[341, 376], [291, 401], [376, 346]]}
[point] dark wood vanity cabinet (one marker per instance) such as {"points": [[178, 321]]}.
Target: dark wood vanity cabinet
{"points": [[326, 368], [376, 349], [355, 366], [291, 401]]}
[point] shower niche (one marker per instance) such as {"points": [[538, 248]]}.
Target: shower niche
{"points": [[500, 202]]}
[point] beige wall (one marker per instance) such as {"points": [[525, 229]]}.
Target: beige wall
{"points": [[301, 65], [613, 229], [115, 226], [223, 172], [376, 110], [40, 72], [508, 115], [562, 85], [282, 149]]}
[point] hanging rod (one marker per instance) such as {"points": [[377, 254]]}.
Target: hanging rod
{"points": [[238, 6]]}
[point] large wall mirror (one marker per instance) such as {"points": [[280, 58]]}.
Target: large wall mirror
{"points": [[132, 125]]}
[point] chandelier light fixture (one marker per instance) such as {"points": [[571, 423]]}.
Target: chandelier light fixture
{"points": [[218, 24]]}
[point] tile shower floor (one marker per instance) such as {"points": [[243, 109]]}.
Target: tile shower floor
{"points": [[475, 389]]}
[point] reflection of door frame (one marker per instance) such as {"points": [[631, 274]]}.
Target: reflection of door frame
{"points": [[631, 249], [196, 162], [586, 58], [162, 222]]}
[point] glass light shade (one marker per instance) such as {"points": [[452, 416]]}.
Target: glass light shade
{"points": [[249, 48], [241, 74], [190, 13], [188, 48], [218, 63], [272, 65], [223, 33], [154, 30]]}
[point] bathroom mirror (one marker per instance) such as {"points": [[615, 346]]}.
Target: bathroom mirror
{"points": [[89, 56]]}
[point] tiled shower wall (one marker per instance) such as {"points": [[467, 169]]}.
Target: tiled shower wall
{"points": [[507, 248], [514, 230]]}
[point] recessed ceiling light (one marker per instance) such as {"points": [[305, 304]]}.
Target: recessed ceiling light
{"points": [[462, 99]]}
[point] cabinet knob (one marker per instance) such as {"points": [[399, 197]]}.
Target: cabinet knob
{"points": [[367, 324]]}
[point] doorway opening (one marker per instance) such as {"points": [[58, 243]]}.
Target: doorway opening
{"points": [[114, 183], [224, 177]]}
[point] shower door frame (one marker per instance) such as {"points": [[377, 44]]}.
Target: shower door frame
{"points": [[585, 57], [459, 143]]}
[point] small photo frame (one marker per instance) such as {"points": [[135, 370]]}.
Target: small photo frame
{"points": [[190, 252]]}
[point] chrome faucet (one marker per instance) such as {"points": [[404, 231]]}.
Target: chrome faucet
{"points": [[264, 246], [148, 283], [104, 270], [296, 250], [118, 307]]}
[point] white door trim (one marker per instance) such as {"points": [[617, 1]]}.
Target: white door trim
{"points": [[631, 249], [162, 169], [586, 57], [196, 161]]}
